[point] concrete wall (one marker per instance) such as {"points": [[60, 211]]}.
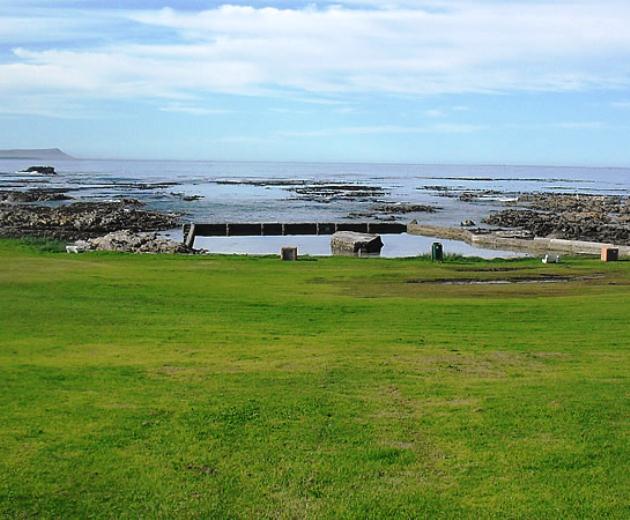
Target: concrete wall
{"points": [[292, 228], [537, 245], [190, 231]]}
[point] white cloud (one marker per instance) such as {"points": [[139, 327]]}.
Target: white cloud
{"points": [[193, 110], [562, 125], [404, 48], [445, 111]]}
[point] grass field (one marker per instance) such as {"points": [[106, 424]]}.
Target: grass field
{"points": [[227, 387]]}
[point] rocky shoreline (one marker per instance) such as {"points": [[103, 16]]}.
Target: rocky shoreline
{"points": [[37, 195], [52, 213], [599, 218], [78, 220], [126, 241]]}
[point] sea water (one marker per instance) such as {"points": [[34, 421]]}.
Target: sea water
{"points": [[162, 185]]}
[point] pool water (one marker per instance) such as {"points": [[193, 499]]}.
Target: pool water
{"points": [[395, 246]]}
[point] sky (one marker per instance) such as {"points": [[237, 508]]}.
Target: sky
{"points": [[436, 81]]}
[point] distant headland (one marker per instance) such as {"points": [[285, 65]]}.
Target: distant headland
{"points": [[38, 154]]}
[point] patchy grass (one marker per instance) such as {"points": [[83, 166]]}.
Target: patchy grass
{"points": [[44, 245], [155, 386]]}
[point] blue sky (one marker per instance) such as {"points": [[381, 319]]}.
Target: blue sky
{"points": [[437, 81]]}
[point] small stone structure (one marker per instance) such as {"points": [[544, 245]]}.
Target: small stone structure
{"points": [[351, 242], [289, 254]]}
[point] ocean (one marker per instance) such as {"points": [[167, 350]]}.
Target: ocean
{"points": [[266, 191]]}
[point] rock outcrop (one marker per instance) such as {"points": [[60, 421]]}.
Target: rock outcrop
{"points": [[17, 197], [43, 170], [573, 226], [404, 208], [81, 220], [598, 218]]}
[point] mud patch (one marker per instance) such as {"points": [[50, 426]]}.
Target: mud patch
{"points": [[490, 269], [506, 281]]}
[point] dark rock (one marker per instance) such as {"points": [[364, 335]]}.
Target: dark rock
{"points": [[263, 182], [356, 215], [480, 195], [322, 192], [596, 227], [44, 170], [403, 207], [331, 192], [80, 220], [131, 202], [17, 197], [598, 218], [572, 202]]}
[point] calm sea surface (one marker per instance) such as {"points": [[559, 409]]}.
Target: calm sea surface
{"points": [[422, 184]]}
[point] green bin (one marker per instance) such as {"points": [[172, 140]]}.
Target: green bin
{"points": [[437, 252]]}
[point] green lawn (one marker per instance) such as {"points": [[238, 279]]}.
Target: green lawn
{"points": [[231, 387]]}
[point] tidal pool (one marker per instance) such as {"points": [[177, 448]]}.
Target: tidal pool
{"points": [[395, 246]]}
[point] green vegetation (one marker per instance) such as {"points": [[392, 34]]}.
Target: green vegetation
{"points": [[200, 387]]}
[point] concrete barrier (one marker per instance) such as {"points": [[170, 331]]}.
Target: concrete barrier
{"points": [[299, 229], [386, 227], [211, 230], [190, 231], [272, 229], [242, 229], [439, 231], [357, 227], [326, 228]]}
